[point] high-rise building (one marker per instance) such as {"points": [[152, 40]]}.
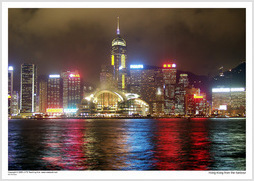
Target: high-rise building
{"points": [[10, 87], [229, 101], [169, 81], [28, 88], [43, 96], [118, 61], [54, 93], [15, 103], [71, 89], [180, 92]]}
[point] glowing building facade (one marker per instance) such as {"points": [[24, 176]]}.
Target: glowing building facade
{"points": [[54, 92], [28, 88], [15, 103], [10, 87], [169, 84], [71, 89], [43, 96], [107, 102], [118, 61], [229, 101]]}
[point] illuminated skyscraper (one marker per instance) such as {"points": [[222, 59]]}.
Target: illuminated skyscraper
{"points": [[147, 81], [118, 60], [43, 96], [169, 80], [10, 87], [15, 103], [28, 88], [55, 92], [71, 89]]}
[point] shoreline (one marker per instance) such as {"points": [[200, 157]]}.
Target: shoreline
{"points": [[125, 118]]}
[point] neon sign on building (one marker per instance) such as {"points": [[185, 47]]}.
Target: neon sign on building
{"points": [[54, 110], [54, 76], [74, 75], [137, 66], [169, 65], [198, 97]]}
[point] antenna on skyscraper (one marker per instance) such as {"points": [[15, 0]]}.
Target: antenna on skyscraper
{"points": [[118, 27]]}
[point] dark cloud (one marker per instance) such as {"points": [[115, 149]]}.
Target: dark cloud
{"points": [[199, 40]]}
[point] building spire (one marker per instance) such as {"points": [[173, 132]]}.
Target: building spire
{"points": [[118, 27]]}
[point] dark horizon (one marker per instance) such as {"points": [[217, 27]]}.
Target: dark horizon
{"points": [[198, 40]]}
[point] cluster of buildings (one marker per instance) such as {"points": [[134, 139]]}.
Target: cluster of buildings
{"points": [[125, 90]]}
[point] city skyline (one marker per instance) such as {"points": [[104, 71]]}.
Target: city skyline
{"points": [[76, 42]]}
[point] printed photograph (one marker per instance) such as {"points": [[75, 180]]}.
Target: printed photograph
{"points": [[120, 89]]}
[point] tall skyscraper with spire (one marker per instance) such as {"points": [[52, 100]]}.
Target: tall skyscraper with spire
{"points": [[118, 60]]}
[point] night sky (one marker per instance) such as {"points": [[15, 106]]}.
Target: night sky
{"points": [[197, 40]]}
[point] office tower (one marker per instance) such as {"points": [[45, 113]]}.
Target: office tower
{"points": [[10, 87], [15, 103], [54, 93], [169, 78], [43, 96], [118, 60], [190, 109], [71, 89], [180, 99], [28, 88], [146, 81], [106, 77], [229, 101], [180, 91]]}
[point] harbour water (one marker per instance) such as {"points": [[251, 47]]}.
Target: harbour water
{"points": [[127, 144]]}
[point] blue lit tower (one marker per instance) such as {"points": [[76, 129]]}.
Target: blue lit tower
{"points": [[118, 60]]}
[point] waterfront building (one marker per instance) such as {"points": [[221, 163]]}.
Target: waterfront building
{"points": [[119, 61], [71, 89], [196, 103], [15, 103], [43, 96], [229, 101], [169, 85], [28, 89], [144, 81], [10, 87], [54, 93], [107, 102], [180, 99]]}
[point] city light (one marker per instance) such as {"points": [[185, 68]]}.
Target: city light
{"points": [[55, 110], [241, 89], [137, 66], [74, 75], [169, 65], [9, 96], [10, 68], [73, 110], [221, 90], [198, 97], [223, 107], [237, 89], [54, 76]]}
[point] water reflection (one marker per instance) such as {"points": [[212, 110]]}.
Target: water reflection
{"points": [[135, 144]]}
